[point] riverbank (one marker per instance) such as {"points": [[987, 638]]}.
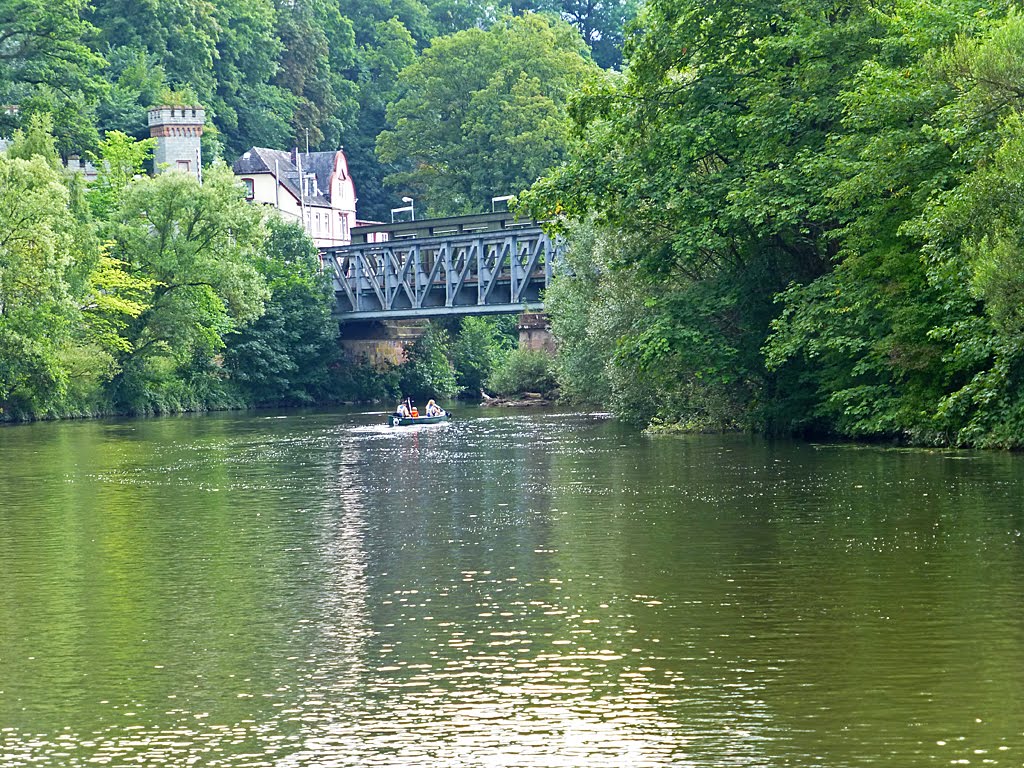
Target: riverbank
{"points": [[523, 400]]}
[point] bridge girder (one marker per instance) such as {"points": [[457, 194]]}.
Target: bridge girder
{"points": [[481, 273]]}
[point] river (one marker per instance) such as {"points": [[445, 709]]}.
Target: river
{"points": [[513, 589]]}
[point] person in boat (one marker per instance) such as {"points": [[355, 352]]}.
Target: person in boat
{"points": [[433, 409], [402, 410]]}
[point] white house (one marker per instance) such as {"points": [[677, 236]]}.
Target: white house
{"points": [[313, 188]]}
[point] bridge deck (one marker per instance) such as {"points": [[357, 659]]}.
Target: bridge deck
{"points": [[488, 264]]}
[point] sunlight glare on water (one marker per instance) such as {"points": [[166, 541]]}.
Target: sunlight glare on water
{"points": [[520, 590]]}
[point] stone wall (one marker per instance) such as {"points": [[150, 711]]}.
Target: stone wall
{"points": [[178, 132], [381, 344], [535, 332]]}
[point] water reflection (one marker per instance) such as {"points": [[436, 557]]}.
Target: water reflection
{"points": [[513, 590]]}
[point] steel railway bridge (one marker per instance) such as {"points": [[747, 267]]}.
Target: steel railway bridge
{"points": [[483, 264]]}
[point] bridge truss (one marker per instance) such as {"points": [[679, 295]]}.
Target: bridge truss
{"points": [[488, 272]]}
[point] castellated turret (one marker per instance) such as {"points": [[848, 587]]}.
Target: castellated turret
{"points": [[177, 131]]}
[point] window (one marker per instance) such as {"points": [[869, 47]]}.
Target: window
{"points": [[185, 165], [250, 191]]}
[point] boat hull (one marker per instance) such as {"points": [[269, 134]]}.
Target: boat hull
{"points": [[410, 421]]}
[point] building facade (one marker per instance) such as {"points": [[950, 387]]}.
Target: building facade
{"points": [[178, 132], [311, 188]]}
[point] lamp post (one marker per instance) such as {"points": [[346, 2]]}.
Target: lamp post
{"points": [[411, 208]]}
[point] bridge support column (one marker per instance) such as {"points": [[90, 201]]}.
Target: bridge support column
{"points": [[380, 343], [535, 332]]}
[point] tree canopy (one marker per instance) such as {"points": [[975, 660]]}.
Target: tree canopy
{"points": [[269, 73], [816, 210], [482, 113], [790, 217]]}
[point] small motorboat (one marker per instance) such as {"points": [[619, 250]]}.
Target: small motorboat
{"points": [[395, 420]]}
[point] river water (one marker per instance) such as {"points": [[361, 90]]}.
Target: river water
{"points": [[512, 589]]}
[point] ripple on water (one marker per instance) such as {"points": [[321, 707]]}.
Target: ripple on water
{"points": [[522, 590]]}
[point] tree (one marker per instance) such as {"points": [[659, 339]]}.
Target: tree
{"points": [[428, 372], [411, 15], [388, 35], [483, 113], [480, 344], [136, 81], [702, 157], [41, 44], [251, 109], [317, 45], [120, 160], [385, 48], [46, 251], [45, 67], [523, 370], [181, 34], [198, 244], [908, 337], [285, 356], [601, 23]]}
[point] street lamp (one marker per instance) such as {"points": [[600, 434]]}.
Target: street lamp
{"points": [[411, 208]]}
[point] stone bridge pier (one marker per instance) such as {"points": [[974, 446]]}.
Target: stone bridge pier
{"points": [[380, 343], [383, 343], [535, 332]]}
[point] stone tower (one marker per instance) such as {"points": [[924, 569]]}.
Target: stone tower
{"points": [[177, 131]]}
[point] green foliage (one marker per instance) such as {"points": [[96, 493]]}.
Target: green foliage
{"points": [[859, 166], [150, 295], [286, 356], [251, 108], [699, 164], [352, 381], [480, 344], [602, 25], [317, 44], [304, 73], [524, 370], [45, 64], [182, 35], [645, 350], [428, 373], [198, 244], [587, 317], [119, 161], [136, 81], [482, 113], [43, 43], [385, 48], [113, 299], [910, 336], [840, 191], [41, 247], [35, 141]]}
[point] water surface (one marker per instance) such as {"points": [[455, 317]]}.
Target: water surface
{"points": [[511, 589]]}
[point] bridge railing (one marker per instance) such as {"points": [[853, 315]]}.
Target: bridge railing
{"points": [[477, 273]]}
